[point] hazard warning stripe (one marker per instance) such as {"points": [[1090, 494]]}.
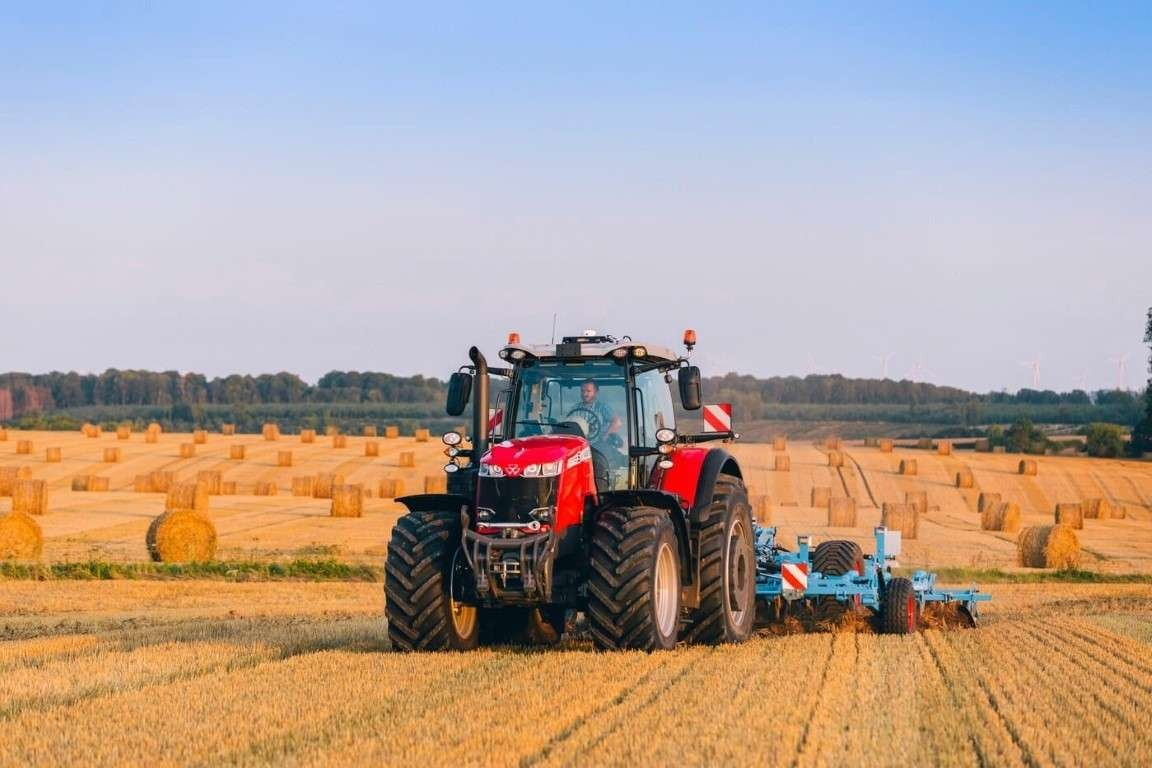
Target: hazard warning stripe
{"points": [[718, 418], [794, 575]]}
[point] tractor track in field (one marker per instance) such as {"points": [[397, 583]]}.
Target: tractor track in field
{"points": [[863, 478], [808, 717]]}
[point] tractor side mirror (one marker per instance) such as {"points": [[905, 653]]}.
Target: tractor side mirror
{"points": [[459, 390], [690, 397]]}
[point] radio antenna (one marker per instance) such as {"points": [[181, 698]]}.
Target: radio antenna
{"points": [[553, 327]]}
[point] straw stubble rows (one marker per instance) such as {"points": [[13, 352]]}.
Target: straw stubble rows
{"points": [[319, 686]]}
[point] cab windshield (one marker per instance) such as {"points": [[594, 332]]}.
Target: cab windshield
{"points": [[586, 398]]}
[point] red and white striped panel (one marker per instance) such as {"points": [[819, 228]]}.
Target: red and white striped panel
{"points": [[718, 417], [495, 421], [794, 576]]}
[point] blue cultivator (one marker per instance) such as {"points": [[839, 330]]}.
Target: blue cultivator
{"points": [[838, 570]]}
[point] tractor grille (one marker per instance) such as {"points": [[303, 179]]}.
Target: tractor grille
{"points": [[511, 499]]}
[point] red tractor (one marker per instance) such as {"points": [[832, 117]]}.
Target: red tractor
{"points": [[585, 498]]}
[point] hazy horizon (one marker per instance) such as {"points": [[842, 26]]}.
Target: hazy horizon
{"points": [[276, 187]]}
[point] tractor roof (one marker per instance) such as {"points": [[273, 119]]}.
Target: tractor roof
{"points": [[590, 346]]}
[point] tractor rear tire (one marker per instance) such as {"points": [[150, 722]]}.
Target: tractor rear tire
{"points": [[516, 625], [838, 557], [634, 585], [899, 611], [727, 609], [422, 556]]}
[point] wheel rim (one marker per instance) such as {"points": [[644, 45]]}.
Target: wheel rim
{"points": [[736, 591], [665, 589], [463, 616]]}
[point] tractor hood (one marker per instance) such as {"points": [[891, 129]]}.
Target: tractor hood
{"points": [[537, 456]]}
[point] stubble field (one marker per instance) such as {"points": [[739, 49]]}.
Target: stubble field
{"points": [[207, 672]]}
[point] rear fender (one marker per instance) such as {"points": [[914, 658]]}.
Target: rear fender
{"points": [[648, 497], [693, 475]]}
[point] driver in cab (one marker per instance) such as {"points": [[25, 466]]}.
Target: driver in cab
{"points": [[610, 423]]}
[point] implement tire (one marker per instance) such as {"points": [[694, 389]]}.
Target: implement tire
{"points": [[423, 555], [838, 557], [899, 612], [727, 609], [634, 586]]}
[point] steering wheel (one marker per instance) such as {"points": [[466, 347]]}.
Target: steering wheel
{"points": [[591, 418]]}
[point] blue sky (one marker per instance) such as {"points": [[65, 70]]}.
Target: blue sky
{"points": [[363, 186]]}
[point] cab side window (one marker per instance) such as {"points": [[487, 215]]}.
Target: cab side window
{"points": [[653, 407]]}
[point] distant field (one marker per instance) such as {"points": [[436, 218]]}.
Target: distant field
{"points": [[110, 526]]}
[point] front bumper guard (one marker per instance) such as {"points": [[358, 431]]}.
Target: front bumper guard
{"points": [[511, 569]]}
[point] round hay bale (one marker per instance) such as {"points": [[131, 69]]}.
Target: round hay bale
{"points": [[162, 480], [436, 483], [187, 495], [918, 499], [90, 430], [347, 501], [187, 450], [901, 517], [80, 483], [387, 489], [783, 463], [869, 442], [331, 430], [371, 448], [924, 443], [391, 432], [842, 513], [821, 496], [9, 476], [369, 430], [228, 430], [237, 452], [24, 447], [982, 444], [307, 435], [20, 537], [124, 432], [303, 485], [908, 466], [3, 435], [986, 501], [211, 480], [835, 459], [885, 445], [1048, 546], [53, 455], [111, 455], [339, 441], [1071, 515], [1097, 509], [181, 536], [266, 488], [944, 447], [284, 458], [999, 449], [325, 482], [761, 508], [154, 427], [270, 431], [98, 484], [398, 488], [407, 458], [423, 435], [143, 484], [832, 443], [30, 497], [779, 444], [965, 478], [228, 488], [1001, 517], [199, 436], [151, 437], [1027, 467]]}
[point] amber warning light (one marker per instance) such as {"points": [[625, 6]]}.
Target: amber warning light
{"points": [[689, 339], [513, 338]]}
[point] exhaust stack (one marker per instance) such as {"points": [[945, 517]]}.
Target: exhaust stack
{"points": [[479, 407]]}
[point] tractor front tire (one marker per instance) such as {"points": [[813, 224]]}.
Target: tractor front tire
{"points": [[634, 586], [422, 556], [899, 613], [727, 609]]}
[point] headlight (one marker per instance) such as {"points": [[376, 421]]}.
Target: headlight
{"points": [[452, 452], [452, 438], [666, 448], [620, 353], [665, 464], [639, 351], [547, 469], [665, 435], [491, 470], [518, 354]]}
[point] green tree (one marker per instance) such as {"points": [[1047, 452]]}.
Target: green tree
{"points": [[1141, 441], [1105, 440]]}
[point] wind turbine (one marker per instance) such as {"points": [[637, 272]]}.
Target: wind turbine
{"points": [[884, 360], [1035, 366], [1121, 371], [919, 373]]}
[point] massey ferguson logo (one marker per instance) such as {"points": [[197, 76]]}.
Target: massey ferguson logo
{"points": [[512, 470]]}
